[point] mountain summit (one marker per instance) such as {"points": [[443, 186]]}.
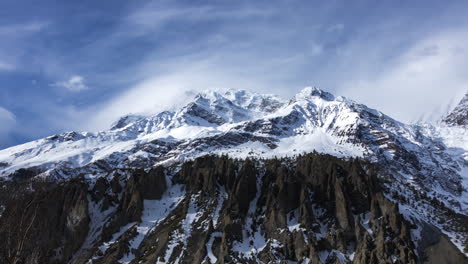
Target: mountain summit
{"points": [[314, 91]]}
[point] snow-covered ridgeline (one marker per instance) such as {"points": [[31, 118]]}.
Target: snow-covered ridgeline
{"points": [[241, 124]]}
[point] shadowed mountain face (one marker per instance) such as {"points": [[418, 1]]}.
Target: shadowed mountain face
{"points": [[459, 115], [309, 209]]}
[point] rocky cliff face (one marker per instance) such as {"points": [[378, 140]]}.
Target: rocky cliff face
{"points": [[309, 209], [47, 225]]}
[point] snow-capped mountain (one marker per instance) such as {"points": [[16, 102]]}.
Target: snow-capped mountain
{"points": [[419, 160], [240, 124]]}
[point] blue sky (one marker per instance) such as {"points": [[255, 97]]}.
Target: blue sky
{"points": [[79, 65]]}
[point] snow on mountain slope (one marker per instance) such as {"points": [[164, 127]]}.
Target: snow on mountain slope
{"points": [[209, 113], [253, 124], [250, 124], [419, 159]]}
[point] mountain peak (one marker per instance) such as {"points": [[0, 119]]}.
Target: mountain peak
{"points": [[309, 92], [125, 121]]}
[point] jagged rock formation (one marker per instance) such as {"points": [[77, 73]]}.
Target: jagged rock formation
{"points": [[459, 115], [309, 209]]}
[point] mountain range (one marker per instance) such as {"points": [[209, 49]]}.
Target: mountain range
{"points": [[241, 177]]}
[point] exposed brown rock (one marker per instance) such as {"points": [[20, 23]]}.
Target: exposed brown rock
{"points": [[316, 207]]}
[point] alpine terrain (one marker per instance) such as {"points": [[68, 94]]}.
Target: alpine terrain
{"points": [[240, 177]]}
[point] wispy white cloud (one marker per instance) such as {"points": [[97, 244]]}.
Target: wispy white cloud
{"points": [[416, 84], [22, 28], [75, 83], [7, 117], [7, 124], [403, 73], [336, 28], [4, 66], [154, 16], [169, 90], [15, 40]]}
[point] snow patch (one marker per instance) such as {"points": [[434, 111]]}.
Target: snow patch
{"points": [[154, 212]]}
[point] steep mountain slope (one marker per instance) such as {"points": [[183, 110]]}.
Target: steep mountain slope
{"points": [[421, 167], [459, 115]]}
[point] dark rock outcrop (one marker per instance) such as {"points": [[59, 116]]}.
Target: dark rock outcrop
{"points": [[435, 247], [312, 208], [47, 225]]}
